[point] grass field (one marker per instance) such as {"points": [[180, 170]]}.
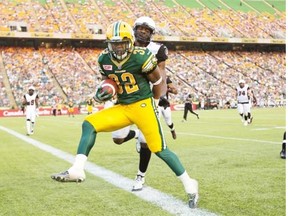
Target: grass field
{"points": [[238, 168]]}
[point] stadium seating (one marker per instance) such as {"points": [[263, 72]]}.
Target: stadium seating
{"points": [[172, 20], [211, 74]]}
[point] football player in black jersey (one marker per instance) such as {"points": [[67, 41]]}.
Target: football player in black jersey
{"points": [[188, 106], [164, 106], [283, 151]]}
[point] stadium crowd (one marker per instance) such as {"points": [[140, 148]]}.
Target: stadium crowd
{"points": [[212, 74], [78, 16], [62, 74]]}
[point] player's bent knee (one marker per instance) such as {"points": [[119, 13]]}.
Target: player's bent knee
{"points": [[144, 145], [87, 126]]}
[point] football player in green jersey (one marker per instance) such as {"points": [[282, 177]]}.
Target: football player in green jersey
{"points": [[132, 68], [144, 27]]}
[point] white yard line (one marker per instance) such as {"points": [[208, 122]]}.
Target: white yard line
{"points": [[156, 197], [230, 138]]}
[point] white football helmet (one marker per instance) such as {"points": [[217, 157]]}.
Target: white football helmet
{"points": [[31, 88], [145, 22], [242, 81]]}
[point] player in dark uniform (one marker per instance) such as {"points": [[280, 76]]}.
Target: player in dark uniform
{"points": [[164, 106], [133, 69], [283, 150], [188, 106]]}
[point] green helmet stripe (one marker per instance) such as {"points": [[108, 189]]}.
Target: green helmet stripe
{"points": [[117, 29]]}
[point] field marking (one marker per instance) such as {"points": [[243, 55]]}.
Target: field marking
{"points": [[231, 138], [156, 197]]}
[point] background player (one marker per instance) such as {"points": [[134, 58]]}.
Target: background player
{"points": [[89, 103], [283, 150], [164, 106], [135, 105], [243, 95], [31, 103], [71, 108], [188, 106]]}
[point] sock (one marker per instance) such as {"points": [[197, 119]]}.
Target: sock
{"points": [[171, 127], [186, 181], [88, 138], [172, 161], [249, 115], [130, 135], [28, 126], [145, 155], [79, 162], [141, 173]]}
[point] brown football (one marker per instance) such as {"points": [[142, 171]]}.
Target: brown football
{"points": [[110, 86]]}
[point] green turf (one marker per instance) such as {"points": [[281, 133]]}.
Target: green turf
{"points": [[260, 6], [238, 168], [237, 6], [279, 5], [190, 4]]}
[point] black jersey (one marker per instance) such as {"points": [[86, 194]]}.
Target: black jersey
{"points": [[159, 50], [164, 102]]}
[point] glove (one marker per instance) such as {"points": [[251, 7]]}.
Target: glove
{"points": [[102, 96]]}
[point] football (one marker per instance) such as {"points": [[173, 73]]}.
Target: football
{"points": [[110, 86]]}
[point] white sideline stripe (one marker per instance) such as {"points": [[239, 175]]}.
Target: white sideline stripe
{"points": [[156, 197], [229, 138]]}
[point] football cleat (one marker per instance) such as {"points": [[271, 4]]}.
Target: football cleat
{"points": [[138, 184], [245, 123], [283, 154], [32, 132], [192, 201], [173, 134], [67, 177], [250, 120], [184, 120], [197, 116], [193, 194]]}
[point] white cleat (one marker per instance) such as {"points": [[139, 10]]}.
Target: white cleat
{"points": [[245, 123], [138, 184], [69, 176]]}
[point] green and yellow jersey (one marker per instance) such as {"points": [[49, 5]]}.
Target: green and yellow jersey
{"points": [[130, 74]]}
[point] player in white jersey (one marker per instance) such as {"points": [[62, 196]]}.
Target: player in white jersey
{"points": [[244, 94], [31, 103]]}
